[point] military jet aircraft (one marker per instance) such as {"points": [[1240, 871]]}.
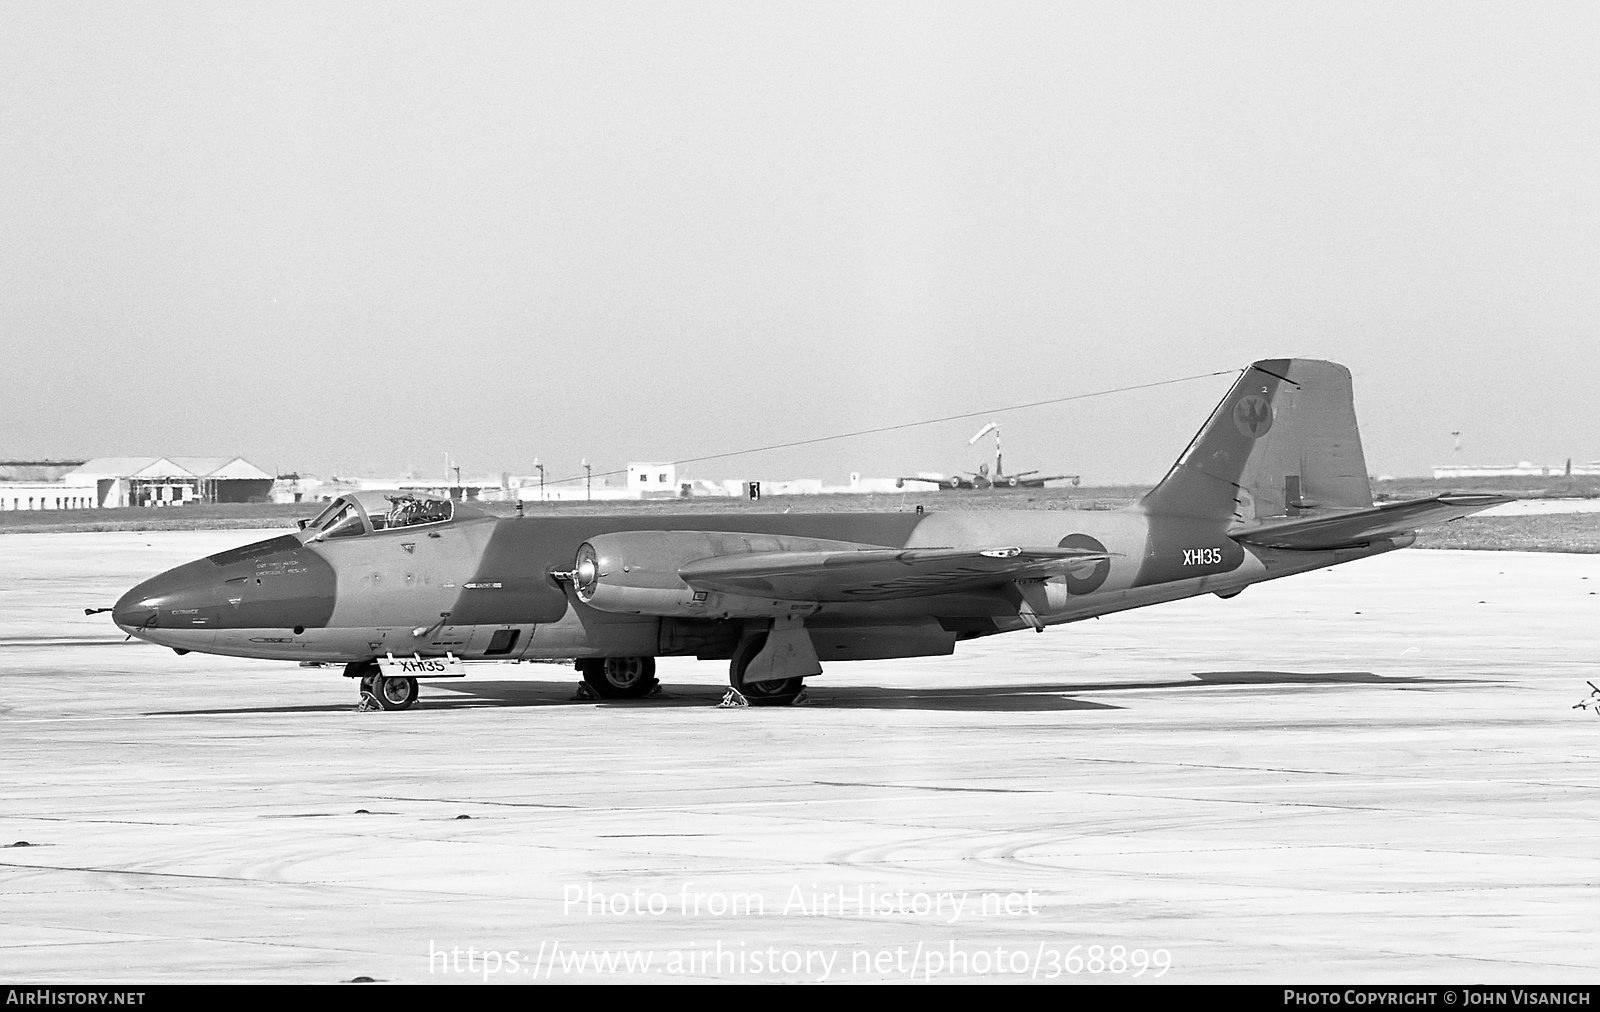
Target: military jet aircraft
{"points": [[1274, 484]]}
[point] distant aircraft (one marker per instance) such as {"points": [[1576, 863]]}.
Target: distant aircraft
{"points": [[1274, 484], [998, 478], [935, 478], [983, 478]]}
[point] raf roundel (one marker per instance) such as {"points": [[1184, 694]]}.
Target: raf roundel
{"points": [[1086, 583], [1253, 416]]}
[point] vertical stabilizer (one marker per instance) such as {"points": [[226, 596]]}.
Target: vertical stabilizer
{"points": [[1282, 443]]}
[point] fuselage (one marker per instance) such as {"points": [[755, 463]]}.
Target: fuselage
{"points": [[477, 586]]}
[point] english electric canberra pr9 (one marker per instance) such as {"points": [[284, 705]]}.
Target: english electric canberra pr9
{"points": [[1274, 484]]}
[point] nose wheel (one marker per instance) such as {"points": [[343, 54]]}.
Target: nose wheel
{"points": [[394, 693], [379, 692]]}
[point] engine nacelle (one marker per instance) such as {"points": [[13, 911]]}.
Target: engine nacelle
{"points": [[636, 573]]}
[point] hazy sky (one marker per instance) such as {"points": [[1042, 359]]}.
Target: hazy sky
{"points": [[355, 237]]}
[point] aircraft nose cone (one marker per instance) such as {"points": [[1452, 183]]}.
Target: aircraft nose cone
{"points": [[181, 598], [134, 610], [272, 584]]}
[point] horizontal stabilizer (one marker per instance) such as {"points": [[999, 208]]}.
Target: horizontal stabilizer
{"points": [[1342, 530], [879, 574]]}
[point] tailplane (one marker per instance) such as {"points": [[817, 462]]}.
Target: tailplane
{"points": [[1282, 444], [1361, 527]]}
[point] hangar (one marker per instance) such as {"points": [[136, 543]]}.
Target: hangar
{"points": [[172, 481]]}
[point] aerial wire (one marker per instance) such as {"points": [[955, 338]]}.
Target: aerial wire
{"points": [[911, 425]]}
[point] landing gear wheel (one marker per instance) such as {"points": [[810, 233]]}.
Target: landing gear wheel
{"points": [[619, 677], [779, 693], [394, 693]]}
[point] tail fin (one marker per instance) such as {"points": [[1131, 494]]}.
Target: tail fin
{"points": [[1282, 443]]}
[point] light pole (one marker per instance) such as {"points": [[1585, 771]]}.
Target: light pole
{"points": [[540, 468], [588, 480]]}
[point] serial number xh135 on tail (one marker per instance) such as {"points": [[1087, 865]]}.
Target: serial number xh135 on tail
{"points": [[1274, 484]]}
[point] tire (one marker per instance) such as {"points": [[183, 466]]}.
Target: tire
{"points": [[779, 693], [394, 693], [619, 677]]}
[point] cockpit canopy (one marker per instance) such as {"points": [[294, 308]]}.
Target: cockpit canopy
{"points": [[358, 513]]}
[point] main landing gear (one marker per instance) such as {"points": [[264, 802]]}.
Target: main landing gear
{"points": [[779, 693], [619, 677], [378, 692]]}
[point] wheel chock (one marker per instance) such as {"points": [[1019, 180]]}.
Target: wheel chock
{"points": [[585, 693], [732, 699], [368, 702]]}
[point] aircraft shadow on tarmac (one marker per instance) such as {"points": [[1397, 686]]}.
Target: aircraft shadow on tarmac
{"points": [[1029, 697], [1039, 697], [994, 697], [1308, 678], [1032, 697]]}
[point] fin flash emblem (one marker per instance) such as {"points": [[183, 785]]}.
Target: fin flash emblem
{"points": [[1253, 416]]}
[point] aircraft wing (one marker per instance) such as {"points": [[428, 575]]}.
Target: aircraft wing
{"points": [[1341, 530], [879, 574]]}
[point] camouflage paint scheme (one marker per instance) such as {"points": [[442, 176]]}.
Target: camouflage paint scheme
{"points": [[1274, 484]]}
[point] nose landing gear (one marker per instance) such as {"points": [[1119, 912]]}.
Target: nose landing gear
{"points": [[379, 692]]}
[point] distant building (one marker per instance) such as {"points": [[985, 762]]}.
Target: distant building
{"points": [[172, 481], [653, 479], [36, 470], [292, 488], [38, 485], [1524, 468]]}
